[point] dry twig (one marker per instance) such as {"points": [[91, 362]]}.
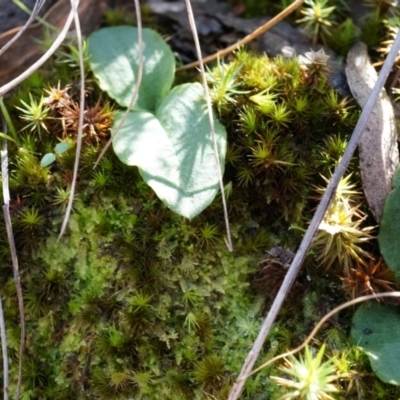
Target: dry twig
{"points": [[211, 118], [317, 327], [74, 10], [247, 39], [2, 321], [36, 9], [29, 71], [4, 352], [14, 259]]}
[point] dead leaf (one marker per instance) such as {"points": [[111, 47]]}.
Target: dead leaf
{"points": [[378, 149]]}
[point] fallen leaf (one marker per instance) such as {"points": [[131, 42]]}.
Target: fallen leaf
{"points": [[378, 149]]}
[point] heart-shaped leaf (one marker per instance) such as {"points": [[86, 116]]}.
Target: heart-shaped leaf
{"points": [[389, 229], [114, 57], [174, 150], [376, 329]]}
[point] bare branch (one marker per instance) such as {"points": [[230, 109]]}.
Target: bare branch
{"points": [[14, 258]]}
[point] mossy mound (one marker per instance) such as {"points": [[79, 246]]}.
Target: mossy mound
{"points": [[136, 301]]}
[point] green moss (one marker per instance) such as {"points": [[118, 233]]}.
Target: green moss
{"points": [[284, 109], [137, 301], [105, 309]]}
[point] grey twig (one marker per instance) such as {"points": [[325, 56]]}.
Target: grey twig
{"points": [[29, 71], [14, 258], [74, 11], [315, 222], [2, 321], [211, 117], [4, 352]]}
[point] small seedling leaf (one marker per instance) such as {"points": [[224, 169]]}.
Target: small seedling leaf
{"points": [[114, 57], [174, 150], [376, 329], [47, 159], [61, 147]]}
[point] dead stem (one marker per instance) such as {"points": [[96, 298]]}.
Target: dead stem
{"points": [[259, 31], [38, 5], [14, 259], [211, 118], [322, 321], [29, 71], [74, 10]]}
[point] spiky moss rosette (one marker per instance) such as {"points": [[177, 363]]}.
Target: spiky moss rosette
{"points": [[124, 305], [286, 126], [137, 301]]}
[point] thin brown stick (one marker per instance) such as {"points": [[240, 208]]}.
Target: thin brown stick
{"points": [[322, 321], [14, 259], [259, 31], [137, 83], [212, 125], [315, 222]]}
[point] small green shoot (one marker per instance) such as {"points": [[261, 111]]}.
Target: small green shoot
{"points": [[13, 133], [224, 84], [35, 114], [317, 19], [310, 377], [49, 158]]}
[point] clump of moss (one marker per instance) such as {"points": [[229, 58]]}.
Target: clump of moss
{"points": [[137, 301], [278, 125]]}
